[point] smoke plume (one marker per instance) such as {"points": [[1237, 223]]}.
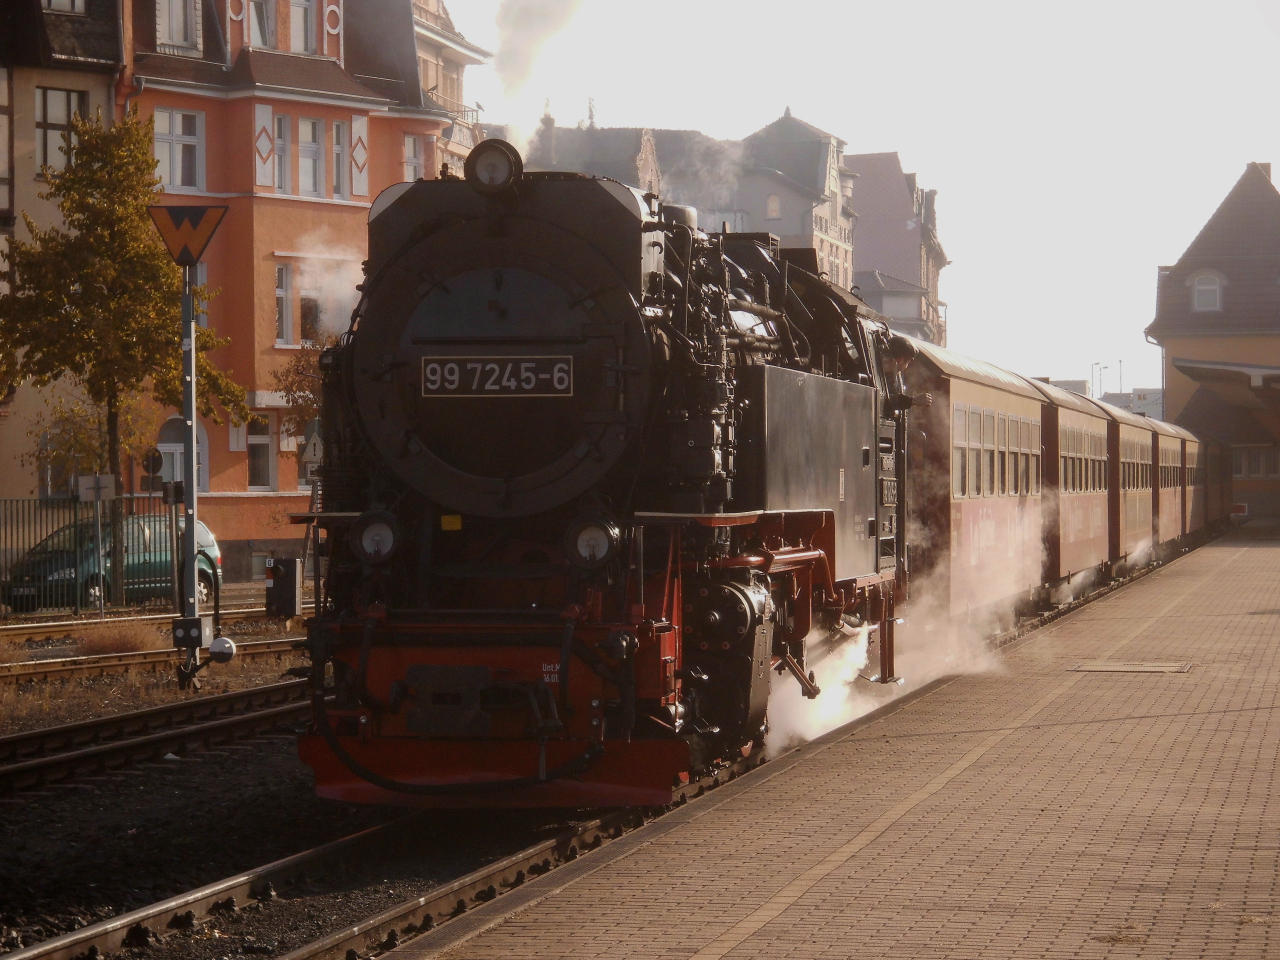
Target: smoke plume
{"points": [[329, 273], [930, 644], [524, 27]]}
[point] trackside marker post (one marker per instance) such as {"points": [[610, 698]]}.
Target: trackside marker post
{"points": [[186, 231]]}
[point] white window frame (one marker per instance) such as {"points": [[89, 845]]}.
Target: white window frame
{"points": [[48, 134], [176, 140], [1206, 281], [412, 157], [284, 303], [302, 32], [268, 8], [63, 6], [189, 46], [266, 440], [280, 134], [172, 459], [313, 295], [340, 146], [311, 152]]}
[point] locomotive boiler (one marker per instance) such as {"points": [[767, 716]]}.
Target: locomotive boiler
{"points": [[593, 480]]}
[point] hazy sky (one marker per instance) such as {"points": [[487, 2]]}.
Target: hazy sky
{"points": [[1074, 147]]}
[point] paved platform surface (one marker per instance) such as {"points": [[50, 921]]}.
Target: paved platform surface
{"points": [[1030, 812]]}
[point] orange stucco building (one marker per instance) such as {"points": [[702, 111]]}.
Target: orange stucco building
{"points": [[296, 114]]}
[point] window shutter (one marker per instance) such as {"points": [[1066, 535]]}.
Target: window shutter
{"points": [[264, 146], [238, 438], [359, 156]]}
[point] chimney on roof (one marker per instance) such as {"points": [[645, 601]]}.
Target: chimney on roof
{"points": [[1265, 168]]}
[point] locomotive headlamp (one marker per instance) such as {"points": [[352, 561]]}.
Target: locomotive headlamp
{"points": [[374, 536], [591, 542], [492, 166]]}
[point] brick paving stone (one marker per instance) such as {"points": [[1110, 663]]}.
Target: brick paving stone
{"points": [[1027, 811]]}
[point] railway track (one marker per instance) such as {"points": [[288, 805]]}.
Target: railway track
{"points": [[140, 661], [58, 754], [374, 934], [60, 628]]}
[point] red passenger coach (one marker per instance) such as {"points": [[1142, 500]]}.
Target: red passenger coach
{"points": [[1129, 486], [1194, 494], [1075, 477], [980, 541], [1170, 522]]}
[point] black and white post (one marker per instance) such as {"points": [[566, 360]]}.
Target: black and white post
{"points": [[186, 231], [190, 486]]}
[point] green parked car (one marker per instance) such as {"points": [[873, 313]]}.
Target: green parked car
{"points": [[52, 572]]}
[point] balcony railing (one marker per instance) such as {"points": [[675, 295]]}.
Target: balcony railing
{"points": [[459, 111]]}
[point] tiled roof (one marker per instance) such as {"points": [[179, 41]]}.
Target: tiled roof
{"points": [[797, 149], [259, 68], [1241, 242], [32, 36]]}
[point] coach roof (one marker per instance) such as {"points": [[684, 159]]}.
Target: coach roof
{"points": [[960, 367], [1069, 400]]}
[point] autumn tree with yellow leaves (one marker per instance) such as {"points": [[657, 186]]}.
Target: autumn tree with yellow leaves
{"points": [[97, 301]]}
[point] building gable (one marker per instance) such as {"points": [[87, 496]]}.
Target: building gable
{"points": [[1238, 250]]}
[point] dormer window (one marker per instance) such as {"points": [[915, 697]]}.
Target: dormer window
{"points": [[178, 26], [1206, 291], [302, 26], [262, 24]]}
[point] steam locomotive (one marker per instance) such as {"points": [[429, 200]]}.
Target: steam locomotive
{"points": [[593, 481]]}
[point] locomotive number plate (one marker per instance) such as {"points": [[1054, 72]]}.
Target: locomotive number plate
{"points": [[497, 376]]}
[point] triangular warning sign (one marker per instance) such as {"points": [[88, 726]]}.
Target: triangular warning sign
{"points": [[314, 451], [186, 231]]}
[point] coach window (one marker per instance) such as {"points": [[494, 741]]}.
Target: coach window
{"points": [[1002, 442], [988, 454], [959, 422], [1035, 458], [975, 452], [1013, 456], [1024, 465]]}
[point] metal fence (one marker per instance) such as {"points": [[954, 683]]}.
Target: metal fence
{"points": [[68, 555]]}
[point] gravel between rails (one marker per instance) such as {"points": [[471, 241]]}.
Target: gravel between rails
{"points": [[87, 851]]}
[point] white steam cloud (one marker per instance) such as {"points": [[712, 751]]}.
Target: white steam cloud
{"points": [[329, 272], [524, 27], [929, 645]]}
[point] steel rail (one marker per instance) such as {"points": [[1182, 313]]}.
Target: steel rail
{"points": [[56, 754], [110, 935], [436, 906], [43, 630], [440, 904], [145, 661]]}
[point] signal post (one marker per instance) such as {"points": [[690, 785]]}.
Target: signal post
{"points": [[187, 231]]}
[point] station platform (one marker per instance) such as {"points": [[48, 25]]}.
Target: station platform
{"points": [[1034, 810]]}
